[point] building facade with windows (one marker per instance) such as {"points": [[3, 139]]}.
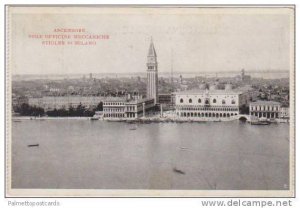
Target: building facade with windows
{"points": [[114, 107], [126, 108], [265, 109], [210, 103], [284, 112], [59, 102]]}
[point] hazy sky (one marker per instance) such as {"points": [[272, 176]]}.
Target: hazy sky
{"points": [[201, 39]]}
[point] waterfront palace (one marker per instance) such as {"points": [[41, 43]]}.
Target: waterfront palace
{"points": [[210, 102], [119, 107], [266, 109]]}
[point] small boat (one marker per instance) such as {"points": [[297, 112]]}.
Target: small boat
{"points": [[133, 128], [17, 121], [146, 122], [33, 145], [261, 121], [130, 121], [178, 171], [97, 116], [114, 120], [179, 121]]}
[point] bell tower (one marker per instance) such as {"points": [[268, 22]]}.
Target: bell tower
{"points": [[152, 77]]}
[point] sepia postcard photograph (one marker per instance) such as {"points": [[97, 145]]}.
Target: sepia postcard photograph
{"points": [[150, 101]]}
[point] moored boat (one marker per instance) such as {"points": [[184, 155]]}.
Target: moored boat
{"points": [[97, 116], [260, 121], [33, 145]]}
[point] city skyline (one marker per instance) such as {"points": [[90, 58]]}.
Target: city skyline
{"points": [[176, 75]]}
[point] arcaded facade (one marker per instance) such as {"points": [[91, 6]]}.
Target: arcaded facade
{"points": [[210, 103]]}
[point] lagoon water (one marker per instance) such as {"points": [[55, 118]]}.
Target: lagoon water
{"points": [[111, 155]]}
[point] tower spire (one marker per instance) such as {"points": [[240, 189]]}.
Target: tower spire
{"points": [[151, 52]]}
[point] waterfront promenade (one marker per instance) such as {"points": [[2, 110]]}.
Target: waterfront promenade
{"points": [[168, 117]]}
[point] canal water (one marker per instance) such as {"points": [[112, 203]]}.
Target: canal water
{"points": [[113, 155]]}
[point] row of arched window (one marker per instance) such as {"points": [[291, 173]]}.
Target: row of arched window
{"points": [[113, 103], [114, 115], [185, 108], [207, 101], [264, 108], [113, 109], [214, 115], [265, 114]]}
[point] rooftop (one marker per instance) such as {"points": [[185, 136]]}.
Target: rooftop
{"points": [[211, 92], [140, 100], [264, 102], [115, 99], [126, 100]]}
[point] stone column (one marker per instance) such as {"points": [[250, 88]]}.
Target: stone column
{"points": [[161, 110]]}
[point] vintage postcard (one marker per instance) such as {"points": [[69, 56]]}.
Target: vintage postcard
{"points": [[150, 101]]}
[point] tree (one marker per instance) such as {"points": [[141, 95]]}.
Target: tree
{"points": [[88, 113], [99, 107], [80, 110], [62, 112], [71, 111], [25, 109], [53, 113]]}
